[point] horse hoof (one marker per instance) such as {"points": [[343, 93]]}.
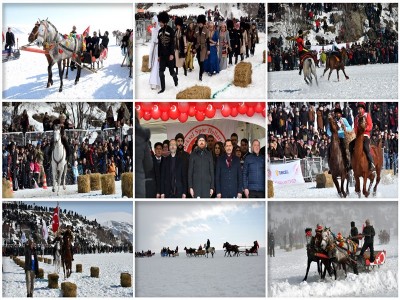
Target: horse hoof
{"points": [[53, 190], [64, 187], [60, 90]]}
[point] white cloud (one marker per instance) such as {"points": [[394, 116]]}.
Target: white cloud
{"points": [[194, 229]]}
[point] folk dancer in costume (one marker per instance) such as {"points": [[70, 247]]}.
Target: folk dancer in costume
{"points": [[154, 80]]}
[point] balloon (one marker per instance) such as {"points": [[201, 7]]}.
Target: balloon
{"points": [[183, 117], [250, 111], [155, 113], [217, 105], [210, 111], [147, 106], [263, 112], [233, 104], [147, 115], [164, 116], [226, 110], [200, 116], [192, 110], [234, 112], [164, 106], [183, 107], [242, 108], [139, 110], [201, 106], [258, 108], [173, 112], [251, 104]]}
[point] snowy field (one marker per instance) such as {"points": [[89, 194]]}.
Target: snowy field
{"points": [[70, 192], [387, 188], [379, 81], [26, 78], [107, 285], [221, 84], [287, 269], [182, 276]]}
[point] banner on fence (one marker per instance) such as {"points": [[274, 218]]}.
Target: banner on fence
{"points": [[289, 173]]}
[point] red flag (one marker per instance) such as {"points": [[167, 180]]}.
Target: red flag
{"points": [[56, 222], [86, 32]]}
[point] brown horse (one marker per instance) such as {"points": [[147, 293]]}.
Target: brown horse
{"points": [[332, 63], [359, 161], [336, 161], [66, 256]]}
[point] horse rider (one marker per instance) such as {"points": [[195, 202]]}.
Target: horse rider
{"points": [[61, 122], [208, 244], [361, 108], [68, 234], [354, 233], [336, 51], [318, 236], [343, 124], [302, 50], [73, 34]]}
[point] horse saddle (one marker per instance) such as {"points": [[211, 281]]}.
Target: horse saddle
{"points": [[307, 55]]}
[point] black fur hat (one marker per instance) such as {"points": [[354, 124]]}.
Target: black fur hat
{"points": [[179, 21], [300, 32], [201, 19], [242, 25], [229, 24], [247, 26], [338, 110], [163, 17]]}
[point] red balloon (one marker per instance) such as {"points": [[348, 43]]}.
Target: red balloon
{"points": [[226, 110], [263, 112], [147, 115], [156, 112], [147, 106], [234, 112], [233, 104], [139, 110], [210, 111], [251, 104], [183, 107], [164, 116], [242, 108], [250, 111], [201, 106], [183, 117], [200, 116], [173, 112], [192, 110], [258, 108], [217, 105], [164, 106]]}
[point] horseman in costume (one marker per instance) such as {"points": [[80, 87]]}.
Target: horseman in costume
{"points": [[303, 52], [362, 113], [67, 234], [318, 237], [343, 125], [336, 51]]}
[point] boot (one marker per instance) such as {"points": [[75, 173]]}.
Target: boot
{"points": [[175, 80], [184, 71], [162, 81], [176, 71], [236, 60], [300, 68], [201, 76]]}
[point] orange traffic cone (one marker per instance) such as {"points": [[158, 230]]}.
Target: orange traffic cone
{"points": [[44, 182], [11, 185]]}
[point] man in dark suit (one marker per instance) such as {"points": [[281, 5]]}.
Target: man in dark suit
{"points": [[158, 160]]}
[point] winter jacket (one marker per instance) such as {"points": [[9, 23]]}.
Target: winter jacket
{"points": [[201, 172], [143, 161], [369, 233], [29, 266], [173, 179], [254, 173], [368, 127], [166, 45], [228, 180]]}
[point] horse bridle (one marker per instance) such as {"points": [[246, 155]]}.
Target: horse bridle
{"points": [[44, 36]]}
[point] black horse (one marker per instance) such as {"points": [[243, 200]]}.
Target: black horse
{"points": [[231, 248]]}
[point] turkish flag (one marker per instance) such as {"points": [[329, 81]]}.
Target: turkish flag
{"points": [[86, 32], [56, 221]]}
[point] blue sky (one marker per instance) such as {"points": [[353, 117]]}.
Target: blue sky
{"points": [[99, 16], [190, 224]]}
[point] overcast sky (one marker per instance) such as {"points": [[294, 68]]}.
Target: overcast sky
{"points": [[171, 224]]}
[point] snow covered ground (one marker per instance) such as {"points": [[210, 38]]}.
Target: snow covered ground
{"points": [[221, 84], [70, 192], [287, 269], [386, 189], [379, 81], [26, 78], [107, 285], [182, 276]]}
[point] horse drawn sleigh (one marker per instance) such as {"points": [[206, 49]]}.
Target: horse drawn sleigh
{"points": [[10, 55], [240, 250]]}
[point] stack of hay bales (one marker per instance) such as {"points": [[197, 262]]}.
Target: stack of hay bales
{"points": [[243, 72], [84, 184], [324, 180], [107, 184], [53, 281], [95, 181], [145, 64], [68, 289], [7, 191], [94, 272], [195, 92], [126, 280], [127, 184], [270, 189]]}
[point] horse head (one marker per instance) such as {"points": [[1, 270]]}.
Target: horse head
{"points": [[327, 238], [57, 134], [42, 33], [362, 124], [332, 124], [34, 33]]}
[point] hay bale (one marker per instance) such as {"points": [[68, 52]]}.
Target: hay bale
{"points": [[107, 184], [40, 259], [94, 272], [84, 184], [145, 64], [68, 289], [95, 182], [126, 280], [78, 268], [7, 191], [45, 260], [195, 92], [41, 273], [270, 189], [324, 180], [264, 57], [127, 184], [49, 261], [243, 71], [53, 281]]}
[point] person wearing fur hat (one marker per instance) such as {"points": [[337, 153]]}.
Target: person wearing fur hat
{"points": [[354, 233], [362, 113], [368, 234], [166, 49], [180, 46], [154, 65], [201, 170], [201, 45]]}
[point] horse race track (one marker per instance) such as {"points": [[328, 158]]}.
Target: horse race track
{"points": [[107, 285], [182, 276], [379, 81]]}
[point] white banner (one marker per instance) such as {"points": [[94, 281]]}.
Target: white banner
{"points": [[289, 173], [220, 129]]}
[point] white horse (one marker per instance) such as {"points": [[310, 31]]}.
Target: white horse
{"points": [[58, 161], [209, 250], [57, 257], [309, 70]]}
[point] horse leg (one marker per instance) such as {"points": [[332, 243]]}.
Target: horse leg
{"points": [[365, 192], [337, 71], [347, 77], [342, 179], [330, 72], [66, 62], [308, 269], [60, 73], [347, 184], [50, 75], [371, 182], [64, 175], [54, 179], [358, 188], [378, 179], [334, 178], [78, 74]]}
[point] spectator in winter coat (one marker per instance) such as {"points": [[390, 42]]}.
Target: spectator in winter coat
{"points": [[31, 267], [354, 233], [368, 233], [254, 173], [10, 41]]}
